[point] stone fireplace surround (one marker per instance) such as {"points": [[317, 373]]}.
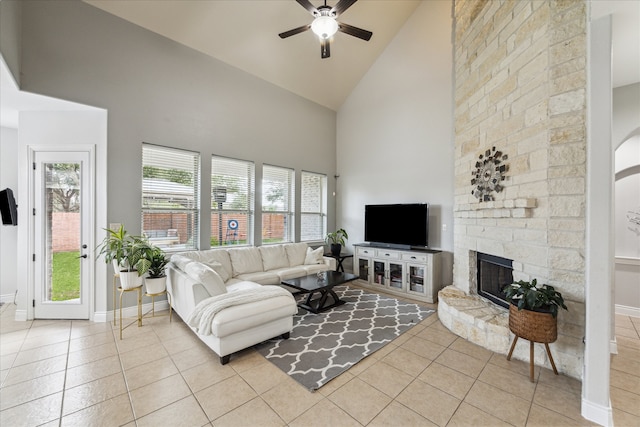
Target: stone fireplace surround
{"points": [[520, 86], [482, 321]]}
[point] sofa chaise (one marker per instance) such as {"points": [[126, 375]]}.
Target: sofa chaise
{"points": [[232, 298]]}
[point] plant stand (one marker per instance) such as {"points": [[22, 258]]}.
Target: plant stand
{"points": [[535, 327], [139, 318], [153, 303]]}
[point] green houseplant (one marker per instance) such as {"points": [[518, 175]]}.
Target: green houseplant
{"points": [[336, 239], [531, 296], [112, 247], [135, 261], [156, 280]]}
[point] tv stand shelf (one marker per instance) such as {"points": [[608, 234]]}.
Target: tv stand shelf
{"points": [[414, 273]]}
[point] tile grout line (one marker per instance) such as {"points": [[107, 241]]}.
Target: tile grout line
{"points": [[66, 370], [124, 376]]}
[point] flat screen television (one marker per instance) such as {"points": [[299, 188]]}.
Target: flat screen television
{"points": [[402, 225], [8, 207]]}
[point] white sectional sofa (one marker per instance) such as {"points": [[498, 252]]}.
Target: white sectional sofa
{"points": [[214, 274]]}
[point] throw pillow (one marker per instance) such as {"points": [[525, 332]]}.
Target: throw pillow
{"points": [[218, 268], [181, 261], [208, 277], [212, 256], [314, 256]]}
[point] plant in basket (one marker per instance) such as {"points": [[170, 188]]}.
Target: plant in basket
{"points": [[533, 316], [534, 297]]}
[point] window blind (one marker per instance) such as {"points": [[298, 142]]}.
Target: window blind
{"points": [[232, 201], [170, 197], [278, 203], [313, 206]]}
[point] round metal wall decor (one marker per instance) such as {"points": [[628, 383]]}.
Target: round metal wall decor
{"points": [[489, 174]]}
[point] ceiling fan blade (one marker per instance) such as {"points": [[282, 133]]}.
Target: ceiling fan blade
{"points": [[294, 31], [325, 48], [307, 5], [342, 5], [355, 31]]}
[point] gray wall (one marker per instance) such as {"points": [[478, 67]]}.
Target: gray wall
{"points": [[395, 131], [10, 35], [160, 92]]}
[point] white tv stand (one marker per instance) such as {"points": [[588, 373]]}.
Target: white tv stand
{"points": [[413, 273]]}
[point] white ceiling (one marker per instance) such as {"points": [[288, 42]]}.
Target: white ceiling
{"points": [[244, 34]]}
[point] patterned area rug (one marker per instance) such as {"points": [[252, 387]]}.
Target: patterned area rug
{"points": [[322, 346]]}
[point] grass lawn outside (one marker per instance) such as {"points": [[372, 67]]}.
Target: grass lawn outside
{"points": [[65, 282]]}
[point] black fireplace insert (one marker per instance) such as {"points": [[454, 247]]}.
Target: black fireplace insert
{"points": [[494, 273]]}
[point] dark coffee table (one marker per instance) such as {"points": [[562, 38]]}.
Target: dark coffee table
{"points": [[323, 284]]}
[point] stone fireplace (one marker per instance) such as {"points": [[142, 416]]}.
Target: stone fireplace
{"points": [[520, 90]]}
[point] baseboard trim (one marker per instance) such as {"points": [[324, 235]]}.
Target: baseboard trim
{"points": [[21, 316], [624, 310], [602, 415], [7, 298], [102, 316], [613, 346]]}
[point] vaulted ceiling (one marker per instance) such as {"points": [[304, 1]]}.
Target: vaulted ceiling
{"points": [[244, 33]]}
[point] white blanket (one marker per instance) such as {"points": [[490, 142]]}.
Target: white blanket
{"points": [[205, 311]]}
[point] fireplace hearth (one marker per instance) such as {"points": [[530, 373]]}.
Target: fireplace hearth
{"points": [[493, 274]]}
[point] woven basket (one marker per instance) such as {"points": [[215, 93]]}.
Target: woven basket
{"points": [[532, 325]]}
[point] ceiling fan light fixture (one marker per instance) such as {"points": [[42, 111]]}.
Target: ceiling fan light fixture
{"points": [[324, 26]]}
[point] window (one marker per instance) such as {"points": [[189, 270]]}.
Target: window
{"points": [[232, 201], [313, 206], [277, 204], [170, 197]]}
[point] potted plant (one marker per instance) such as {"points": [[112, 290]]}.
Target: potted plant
{"points": [[112, 247], [336, 239], [156, 280], [531, 296], [135, 262], [533, 316]]}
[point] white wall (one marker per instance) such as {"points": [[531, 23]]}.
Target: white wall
{"points": [[395, 131], [8, 234], [626, 142], [54, 130]]}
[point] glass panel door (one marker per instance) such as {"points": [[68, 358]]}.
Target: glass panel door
{"points": [[61, 255], [416, 279], [363, 269], [378, 272], [395, 275]]}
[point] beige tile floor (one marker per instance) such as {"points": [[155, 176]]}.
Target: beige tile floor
{"points": [[78, 373]]}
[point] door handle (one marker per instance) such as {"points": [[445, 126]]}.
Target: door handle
{"points": [[82, 256]]}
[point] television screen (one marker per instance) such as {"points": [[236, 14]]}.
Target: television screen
{"points": [[399, 224], [8, 208]]}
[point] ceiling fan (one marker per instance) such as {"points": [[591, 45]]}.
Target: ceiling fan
{"points": [[325, 25]]}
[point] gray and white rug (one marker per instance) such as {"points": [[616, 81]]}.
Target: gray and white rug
{"points": [[322, 346]]}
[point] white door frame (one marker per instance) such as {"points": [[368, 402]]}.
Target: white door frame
{"points": [[90, 238]]}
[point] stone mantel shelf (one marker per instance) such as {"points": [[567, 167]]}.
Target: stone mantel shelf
{"points": [[509, 208]]}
